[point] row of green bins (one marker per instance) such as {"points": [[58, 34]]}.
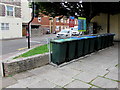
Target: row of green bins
{"points": [[59, 51], [79, 47], [71, 45], [65, 50]]}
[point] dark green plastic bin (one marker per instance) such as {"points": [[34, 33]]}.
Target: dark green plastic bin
{"points": [[79, 47], [91, 43], [71, 49], [98, 43], [59, 50], [111, 39], [86, 45], [102, 41]]}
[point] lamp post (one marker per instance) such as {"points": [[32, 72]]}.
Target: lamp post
{"points": [[30, 25]]}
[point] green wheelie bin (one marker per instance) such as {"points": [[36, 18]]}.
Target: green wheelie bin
{"points": [[98, 43], [59, 51], [79, 47], [102, 41], [92, 43], [71, 47], [111, 39], [86, 45], [106, 40]]}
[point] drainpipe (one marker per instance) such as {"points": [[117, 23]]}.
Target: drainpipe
{"points": [[108, 23], [30, 25]]}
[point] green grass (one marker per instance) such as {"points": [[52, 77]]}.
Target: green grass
{"points": [[38, 50]]}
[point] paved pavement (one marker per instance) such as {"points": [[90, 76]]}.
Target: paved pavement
{"points": [[98, 70]]}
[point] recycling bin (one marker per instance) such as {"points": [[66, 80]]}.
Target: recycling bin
{"points": [[98, 43], [111, 39], [92, 43], [71, 47], [86, 45], [106, 40], [59, 51], [102, 41], [109, 35], [79, 47]]}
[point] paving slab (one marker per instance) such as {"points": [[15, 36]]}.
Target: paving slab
{"points": [[77, 84], [42, 84], [85, 76], [24, 83], [69, 72], [7, 81], [58, 87], [105, 83], [15, 89], [23, 75], [57, 78], [113, 73], [43, 69]]}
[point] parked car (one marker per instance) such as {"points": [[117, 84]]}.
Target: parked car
{"points": [[75, 31], [63, 33]]}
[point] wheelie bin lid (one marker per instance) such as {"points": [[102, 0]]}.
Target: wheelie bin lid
{"points": [[70, 39], [59, 41], [110, 34], [91, 36], [77, 38]]}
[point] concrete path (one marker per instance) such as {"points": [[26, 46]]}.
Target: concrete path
{"points": [[98, 70]]}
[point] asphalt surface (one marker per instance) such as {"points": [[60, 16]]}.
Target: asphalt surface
{"points": [[16, 45]]}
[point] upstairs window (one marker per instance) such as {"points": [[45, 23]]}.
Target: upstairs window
{"points": [[9, 11], [57, 19], [39, 19]]}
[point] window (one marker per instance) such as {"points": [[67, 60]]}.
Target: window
{"points": [[62, 20], [57, 28], [9, 11], [75, 21], [57, 19], [68, 21], [65, 21], [4, 26], [39, 19]]}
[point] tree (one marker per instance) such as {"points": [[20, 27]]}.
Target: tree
{"points": [[77, 9]]}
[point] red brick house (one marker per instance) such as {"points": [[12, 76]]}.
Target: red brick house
{"points": [[53, 24]]}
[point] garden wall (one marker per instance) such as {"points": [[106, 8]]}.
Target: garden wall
{"points": [[23, 64]]}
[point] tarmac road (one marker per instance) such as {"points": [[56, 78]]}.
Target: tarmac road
{"points": [[17, 45]]}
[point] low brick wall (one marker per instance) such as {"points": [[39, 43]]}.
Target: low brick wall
{"points": [[23, 64]]}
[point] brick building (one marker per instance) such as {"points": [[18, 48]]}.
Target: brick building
{"points": [[54, 24]]}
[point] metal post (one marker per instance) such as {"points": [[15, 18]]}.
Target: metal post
{"points": [[29, 25]]}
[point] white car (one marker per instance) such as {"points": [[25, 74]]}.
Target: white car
{"points": [[75, 31], [63, 33]]}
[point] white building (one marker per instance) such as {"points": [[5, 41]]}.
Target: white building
{"points": [[12, 14]]}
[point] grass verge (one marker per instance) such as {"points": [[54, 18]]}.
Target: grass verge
{"points": [[38, 50]]}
